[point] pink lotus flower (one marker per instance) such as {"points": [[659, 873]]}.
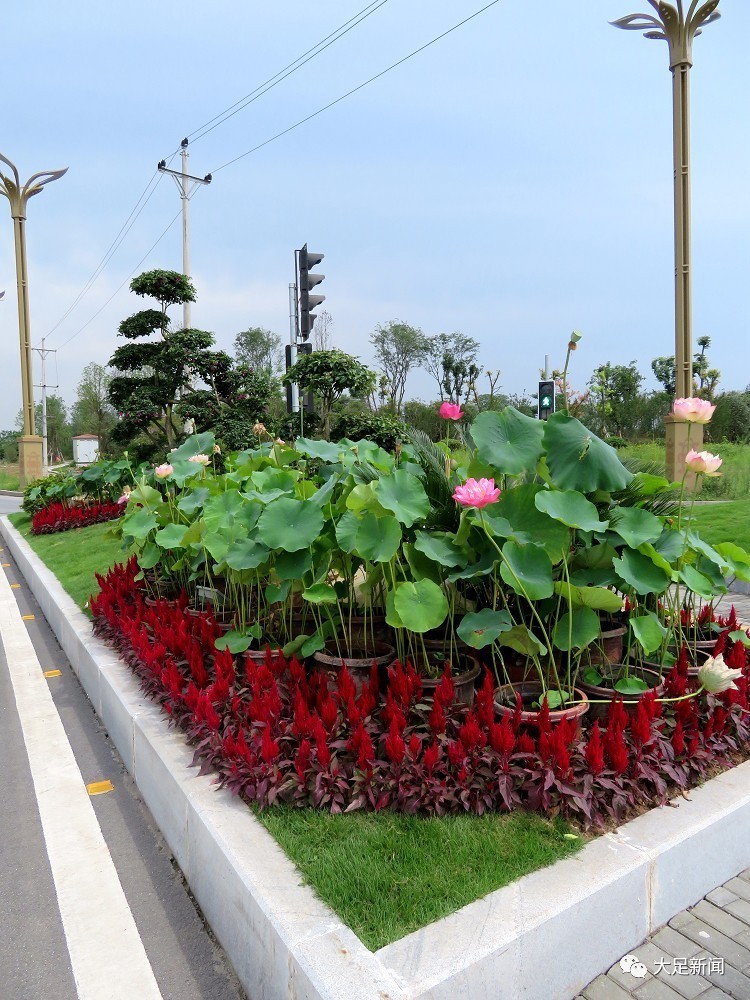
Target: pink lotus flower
{"points": [[694, 410], [163, 471], [477, 494], [451, 411], [703, 461]]}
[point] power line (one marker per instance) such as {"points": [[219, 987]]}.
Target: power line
{"points": [[287, 71], [121, 286], [355, 89]]}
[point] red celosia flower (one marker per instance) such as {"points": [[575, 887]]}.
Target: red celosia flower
{"points": [[346, 686], [395, 747], [430, 757], [640, 725], [616, 749], [269, 748], [678, 739], [616, 714], [415, 745], [485, 701], [594, 751], [543, 717], [526, 744], [329, 713], [502, 737], [470, 733], [456, 753], [445, 691], [437, 719], [302, 760]]}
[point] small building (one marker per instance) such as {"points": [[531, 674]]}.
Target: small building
{"points": [[85, 448]]}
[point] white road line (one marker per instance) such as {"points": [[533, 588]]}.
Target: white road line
{"points": [[107, 955]]}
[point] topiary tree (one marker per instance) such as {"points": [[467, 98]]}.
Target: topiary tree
{"points": [[328, 375], [152, 376]]}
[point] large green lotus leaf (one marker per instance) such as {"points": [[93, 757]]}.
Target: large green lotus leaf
{"points": [[482, 567], [403, 495], [328, 451], [323, 495], [246, 553], [670, 544], [183, 470], [378, 538], [481, 628], [736, 559], [190, 502], [421, 606], [363, 498], [647, 549], [264, 496], [518, 507], [594, 577], [196, 444], [217, 543], [146, 494], [523, 641], [598, 598], [648, 485], [528, 570], [276, 593], [271, 479], [150, 556], [636, 526], [293, 565], [391, 615], [290, 525], [347, 527], [509, 440], [648, 630], [714, 573], [697, 582], [320, 593], [370, 452], [579, 460], [221, 511], [502, 528], [440, 547], [576, 629], [697, 543], [171, 537], [640, 573], [140, 524], [571, 508], [422, 567]]}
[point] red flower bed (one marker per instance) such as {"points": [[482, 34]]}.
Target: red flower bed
{"points": [[275, 732], [58, 517]]}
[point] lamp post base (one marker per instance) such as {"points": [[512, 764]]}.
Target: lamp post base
{"points": [[29, 459], [681, 437]]}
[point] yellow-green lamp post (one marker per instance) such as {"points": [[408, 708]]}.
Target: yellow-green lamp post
{"points": [[678, 28], [29, 444]]}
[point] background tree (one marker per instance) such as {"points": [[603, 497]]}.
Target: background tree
{"points": [[615, 391], [731, 419], [92, 412], [259, 348], [323, 332], [462, 352], [153, 375], [328, 375], [59, 435], [705, 378], [664, 372], [398, 349]]}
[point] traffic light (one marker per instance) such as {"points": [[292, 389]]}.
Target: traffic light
{"points": [[307, 280], [546, 399]]}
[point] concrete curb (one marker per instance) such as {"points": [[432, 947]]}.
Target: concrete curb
{"points": [[544, 937], [10, 493]]}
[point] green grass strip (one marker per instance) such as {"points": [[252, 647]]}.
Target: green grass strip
{"points": [[724, 522], [387, 875], [74, 556]]}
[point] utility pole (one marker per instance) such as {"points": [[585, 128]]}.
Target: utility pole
{"points": [[18, 194], [186, 185], [43, 352]]}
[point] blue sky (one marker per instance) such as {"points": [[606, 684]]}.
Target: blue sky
{"points": [[513, 181]]}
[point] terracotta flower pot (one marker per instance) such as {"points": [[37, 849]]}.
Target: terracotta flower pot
{"points": [[359, 664], [464, 682], [530, 692], [608, 647], [601, 695]]}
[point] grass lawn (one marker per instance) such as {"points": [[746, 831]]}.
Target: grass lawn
{"points": [[724, 522], [74, 556], [386, 875], [8, 477]]}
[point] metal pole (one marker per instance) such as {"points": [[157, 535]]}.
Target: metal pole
{"points": [[186, 314], [546, 365], [293, 341], [45, 451], [682, 235], [24, 327]]}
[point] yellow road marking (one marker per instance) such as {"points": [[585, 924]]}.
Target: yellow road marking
{"points": [[53, 673], [100, 787], [6, 565], [29, 618], [15, 586]]}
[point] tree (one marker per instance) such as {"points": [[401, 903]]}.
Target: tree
{"points": [[664, 372], [92, 412], [460, 352], [328, 375], [615, 390], [323, 332], [259, 348], [152, 376], [58, 429], [705, 378], [398, 348]]}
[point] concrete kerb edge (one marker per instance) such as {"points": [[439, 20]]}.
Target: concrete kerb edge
{"points": [[292, 945]]}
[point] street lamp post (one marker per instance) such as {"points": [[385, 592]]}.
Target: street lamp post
{"points": [[29, 444], [678, 29]]}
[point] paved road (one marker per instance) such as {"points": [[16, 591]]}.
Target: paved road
{"points": [[76, 868], [9, 504]]}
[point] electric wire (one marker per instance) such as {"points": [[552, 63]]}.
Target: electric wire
{"points": [[122, 285], [287, 71], [354, 90]]}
